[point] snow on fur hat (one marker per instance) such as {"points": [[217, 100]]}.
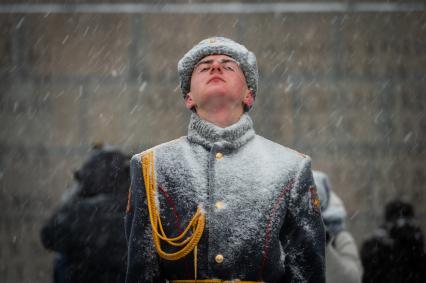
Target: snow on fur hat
{"points": [[214, 46]]}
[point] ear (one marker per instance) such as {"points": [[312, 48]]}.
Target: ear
{"points": [[189, 102], [248, 98]]}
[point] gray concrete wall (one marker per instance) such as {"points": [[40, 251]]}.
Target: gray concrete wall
{"points": [[346, 88]]}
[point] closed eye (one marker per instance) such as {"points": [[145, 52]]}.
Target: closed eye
{"points": [[228, 67], [202, 67]]}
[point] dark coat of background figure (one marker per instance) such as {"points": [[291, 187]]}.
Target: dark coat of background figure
{"points": [[395, 251], [87, 229]]}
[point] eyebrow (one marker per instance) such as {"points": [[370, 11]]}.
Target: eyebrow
{"points": [[205, 62], [223, 60]]}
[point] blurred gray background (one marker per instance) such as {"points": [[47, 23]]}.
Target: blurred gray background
{"points": [[343, 82]]}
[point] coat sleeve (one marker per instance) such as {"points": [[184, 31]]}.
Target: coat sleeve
{"points": [[343, 263], [303, 233], [142, 263]]}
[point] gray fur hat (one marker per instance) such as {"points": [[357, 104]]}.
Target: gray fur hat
{"points": [[218, 45]]}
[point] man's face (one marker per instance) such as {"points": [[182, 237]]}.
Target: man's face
{"points": [[218, 82]]}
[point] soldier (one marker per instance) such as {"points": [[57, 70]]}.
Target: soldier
{"points": [[222, 204]]}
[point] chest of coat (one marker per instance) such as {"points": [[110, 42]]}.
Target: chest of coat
{"points": [[237, 188]]}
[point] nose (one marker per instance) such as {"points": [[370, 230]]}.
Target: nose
{"points": [[216, 66]]}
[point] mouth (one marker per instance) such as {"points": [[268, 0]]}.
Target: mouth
{"points": [[215, 79]]}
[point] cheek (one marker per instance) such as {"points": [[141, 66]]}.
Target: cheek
{"points": [[195, 81], [191, 85], [241, 85], [240, 80]]}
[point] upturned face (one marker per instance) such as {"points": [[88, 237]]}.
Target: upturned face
{"points": [[218, 82]]}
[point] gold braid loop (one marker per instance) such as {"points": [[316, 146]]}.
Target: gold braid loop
{"points": [[197, 222]]}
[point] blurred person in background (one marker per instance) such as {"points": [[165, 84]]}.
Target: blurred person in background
{"points": [[341, 254], [394, 253], [87, 230], [222, 204]]}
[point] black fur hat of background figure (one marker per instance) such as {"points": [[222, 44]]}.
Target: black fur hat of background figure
{"points": [[107, 170], [398, 209], [403, 229]]}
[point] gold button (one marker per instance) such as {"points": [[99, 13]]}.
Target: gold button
{"points": [[219, 258], [219, 205], [219, 155]]}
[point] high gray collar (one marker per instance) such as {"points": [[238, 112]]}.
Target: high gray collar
{"points": [[208, 134]]}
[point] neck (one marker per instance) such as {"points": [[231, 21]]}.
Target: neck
{"points": [[208, 134], [221, 117]]}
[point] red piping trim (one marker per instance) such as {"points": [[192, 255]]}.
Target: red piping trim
{"points": [[172, 204], [277, 203]]}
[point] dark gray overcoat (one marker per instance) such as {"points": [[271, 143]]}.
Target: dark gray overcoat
{"points": [[262, 211]]}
